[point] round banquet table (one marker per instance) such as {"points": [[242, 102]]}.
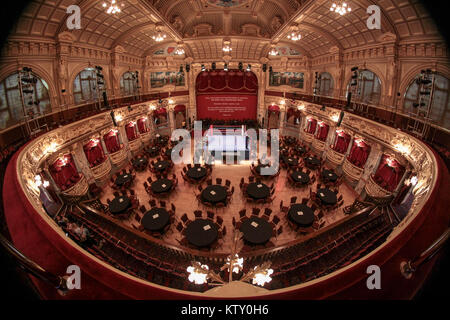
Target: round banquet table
{"points": [[152, 150], [301, 177], [258, 190], [301, 214], [214, 194], [329, 175], [327, 196], [123, 179], [256, 230], [312, 161], [201, 233], [300, 150], [196, 173], [162, 185], [156, 219], [140, 162], [290, 161], [161, 165], [119, 205]]}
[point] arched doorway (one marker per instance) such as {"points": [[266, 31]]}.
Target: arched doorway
{"points": [[273, 121]]}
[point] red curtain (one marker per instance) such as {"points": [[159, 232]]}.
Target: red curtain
{"points": [[64, 172], [232, 81], [389, 173], [312, 124], [341, 143], [94, 153], [131, 131], [359, 153], [111, 140], [142, 126], [322, 133]]}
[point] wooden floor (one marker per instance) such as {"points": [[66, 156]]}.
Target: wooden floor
{"points": [[184, 200]]}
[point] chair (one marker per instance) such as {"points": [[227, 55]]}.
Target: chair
{"points": [[209, 182], [293, 200], [198, 214], [162, 204], [305, 201], [210, 215], [219, 181], [174, 209], [219, 221], [275, 220], [279, 231], [143, 209], [180, 227], [242, 213], [184, 218], [256, 211], [267, 212]]}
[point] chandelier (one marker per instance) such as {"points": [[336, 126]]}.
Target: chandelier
{"points": [[259, 275], [294, 36], [340, 7], [113, 7], [227, 46], [160, 36], [180, 51], [273, 51]]}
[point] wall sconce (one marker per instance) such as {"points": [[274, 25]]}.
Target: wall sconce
{"points": [[403, 148], [170, 101], [283, 102], [118, 117], [335, 117], [301, 107]]}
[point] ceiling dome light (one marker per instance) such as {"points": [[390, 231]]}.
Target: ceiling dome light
{"points": [[227, 46], [159, 36]]}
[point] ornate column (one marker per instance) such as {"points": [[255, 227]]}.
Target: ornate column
{"points": [[65, 41], [191, 75], [371, 165], [79, 157], [115, 73]]}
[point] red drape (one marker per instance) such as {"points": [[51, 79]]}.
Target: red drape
{"points": [[312, 124], [389, 173], [232, 81], [64, 172], [359, 153], [142, 126], [111, 140], [341, 143], [94, 153], [131, 131], [322, 133]]}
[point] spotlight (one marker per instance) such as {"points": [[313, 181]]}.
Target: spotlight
{"points": [[249, 67], [181, 69], [264, 68], [188, 67], [270, 69], [213, 66], [241, 66], [203, 67], [354, 69], [225, 67]]}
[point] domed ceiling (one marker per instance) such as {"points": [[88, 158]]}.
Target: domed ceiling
{"points": [[251, 25]]}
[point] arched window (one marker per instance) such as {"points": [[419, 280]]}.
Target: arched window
{"points": [[326, 84], [85, 86], [11, 109], [440, 104], [368, 89], [128, 83]]}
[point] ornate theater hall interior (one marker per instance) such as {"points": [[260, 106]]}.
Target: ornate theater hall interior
{"points": [[210, 149]]}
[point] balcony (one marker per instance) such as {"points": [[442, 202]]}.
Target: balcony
{"points": [[351, 171], [117, 158], [79, 189], [318, 145], [375, 191], [335, 157], [101, 172]]}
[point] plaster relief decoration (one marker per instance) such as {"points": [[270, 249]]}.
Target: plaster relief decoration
{"points": [[335, 157], [226, 3], [283, 51], [252, 30], [374, 190], [166, 51], [291, 79], [203, 30], [177, 23], [161, 79], [276, 23], [351, 171]]}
